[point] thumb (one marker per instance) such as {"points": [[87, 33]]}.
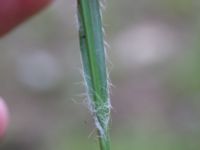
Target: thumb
{"points": [[14, 12]]}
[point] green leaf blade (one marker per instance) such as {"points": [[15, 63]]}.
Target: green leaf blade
{"points": [[94, 64]]}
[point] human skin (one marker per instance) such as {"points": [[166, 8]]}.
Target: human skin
{"points": [[4, 117], [14, 12]]}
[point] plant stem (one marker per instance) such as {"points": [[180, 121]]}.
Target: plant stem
{"points": [[94, 64]]}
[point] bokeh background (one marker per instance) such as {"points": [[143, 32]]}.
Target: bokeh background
{"points": [[154, 51]]}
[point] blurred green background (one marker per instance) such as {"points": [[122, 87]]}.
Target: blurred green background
{"points": [[154, 59]]}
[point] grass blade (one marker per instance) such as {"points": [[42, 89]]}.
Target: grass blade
{"points": [[94, 64]]}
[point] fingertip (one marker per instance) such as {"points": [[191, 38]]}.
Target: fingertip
{"points": [[4, 117]]}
